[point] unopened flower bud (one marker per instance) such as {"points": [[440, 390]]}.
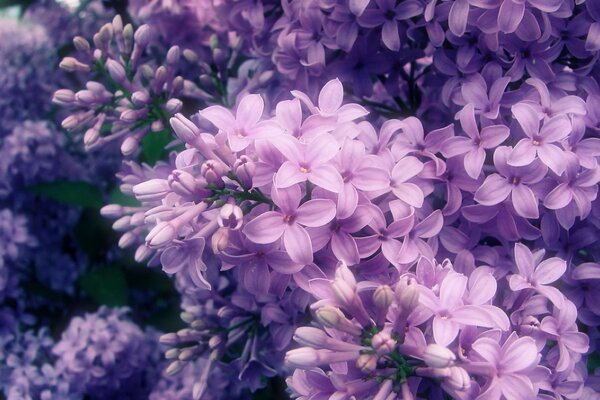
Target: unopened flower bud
{"points": [[183, 183], [367, 363], [215, 341], [81, 44], [343, 292], [383, 297], [304, 357], [116, 70], [161, 234], [213, 172], [171, 354], [332, 317], [63, 96], [128, 239], [185, 129], [169, 338], [383, 343], [72, 64], [438, 356], [219, 240], [175, 367], [131, 116], [313, 337], [530, 325], [244, 169], [459, 378], [173, 55], [173, 106], [142, 35], [140, 98], [190, 56], [188, 353], [230, 216], [130, 145], [112, 211], [142, 253], [407, 294]]}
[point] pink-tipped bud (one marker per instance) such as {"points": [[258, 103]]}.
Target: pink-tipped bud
{"points": [[332, 317], [213, 172], [219, 240], [128, 239], [244, 169], [81, 44], [190, 56], [142, 35], [367, 363], [185, 129], [175, 367], [161, 234], [313, 337], [230, 216], [383, 343], [173, 55], [130, 145], [142, 253], [63, 96], [116, 71], [407, 294], [112, 211], [173, 106], [169, 338], [122, 224], [383, 297], [438, 356], [304, 357], [215, 341], [459, 378], [343, 292], [140, 98], [72, 64]]}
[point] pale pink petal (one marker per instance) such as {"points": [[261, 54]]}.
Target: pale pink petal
{"points": [[523, 153], [524, 260], [474, 162], [327, 177], [485, 315], [410, 193], [494, 190], [516, 387], [559, 197], [331, 97], [219, 117], [344, 248], [406, 168], [525, 202], [250, 110], [289, 174], [519, 355], [297, 244], [493, 136], [452, 290], [347, 201], [266, 228], [526, 115], [556, 129], [315, 213], [553, 157], [549, 270], [444, 331]]}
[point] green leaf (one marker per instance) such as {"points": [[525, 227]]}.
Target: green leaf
{"points": [[106, 286], [154, 146], [76, 193]]}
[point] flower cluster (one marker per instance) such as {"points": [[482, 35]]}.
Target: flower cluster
{"points": [[369, 199], [104, 354]]}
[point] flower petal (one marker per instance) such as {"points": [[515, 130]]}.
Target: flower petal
{"points": [[265, 228], [297, 244], [331, 97], [315, 213], [525, 202], [495, 189], [549, 270]]}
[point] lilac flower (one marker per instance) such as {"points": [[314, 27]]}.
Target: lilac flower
{"points": [[539, 140], [512, 181], [309, 161], [561, 326], [289, 221], [574, 194], [404, 170], [450, 311], [474, 148], [511, 363], [103, 354], [537, 275], [245, 127], [486, 103], [330, 101], [387, 14]]}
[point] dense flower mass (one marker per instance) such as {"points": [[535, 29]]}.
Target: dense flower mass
{"points": [[363, 199]]}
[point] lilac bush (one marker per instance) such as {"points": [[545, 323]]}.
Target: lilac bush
{"points": [[344, 199]]}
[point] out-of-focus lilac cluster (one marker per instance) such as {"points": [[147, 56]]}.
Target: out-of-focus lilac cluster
{"points": [[371, 199]]}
